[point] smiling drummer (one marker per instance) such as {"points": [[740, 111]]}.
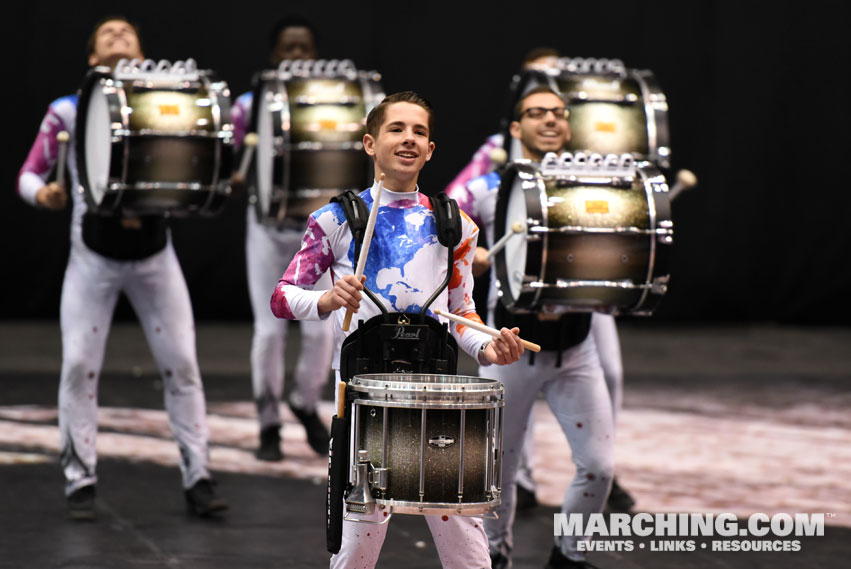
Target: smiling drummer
{"points": [[404, 266], [109, 255], [567, 372]]}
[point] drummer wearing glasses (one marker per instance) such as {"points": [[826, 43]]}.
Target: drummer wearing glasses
{"points": [[567, 372]]}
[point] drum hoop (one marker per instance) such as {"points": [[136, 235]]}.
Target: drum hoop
{"points": [[431, 508], [481, 403], [390, 383]]}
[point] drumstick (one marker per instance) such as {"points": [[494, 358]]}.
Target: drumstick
{"points": [[250, 143], [341, 400], [62, 138], [685, 180], [364, 248], [516, 228], [486, 329]]}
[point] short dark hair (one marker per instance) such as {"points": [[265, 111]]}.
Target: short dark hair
{"points": [[90, 46], [376, 116], [292, 21], [539, 52], [518, 108]]}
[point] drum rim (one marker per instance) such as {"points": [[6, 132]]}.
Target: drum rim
{"points": [[385, 381]]}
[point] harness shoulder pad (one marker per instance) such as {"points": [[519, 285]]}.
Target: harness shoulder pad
{"points": [[447, 216]]}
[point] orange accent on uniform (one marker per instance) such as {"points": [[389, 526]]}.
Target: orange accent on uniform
{"points": [[474, 316], [459, 254]]}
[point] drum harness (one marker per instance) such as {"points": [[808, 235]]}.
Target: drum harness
{"points": [[390, 342]]}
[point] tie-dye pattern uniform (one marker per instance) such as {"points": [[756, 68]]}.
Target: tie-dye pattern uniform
{"points": [[157, 291], [479, 165], [268, 249], [575, 392], [406, 264]]}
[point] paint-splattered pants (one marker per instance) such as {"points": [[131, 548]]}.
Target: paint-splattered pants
{"points": [[268, 253], [577, 395], [157, 291], [460, 542]]}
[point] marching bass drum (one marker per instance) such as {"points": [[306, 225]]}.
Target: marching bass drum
{"points": [[310, 118], [596, 234], [154, 139]]}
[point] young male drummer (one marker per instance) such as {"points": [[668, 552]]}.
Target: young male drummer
{"points": [[575, 390], [267, 249], [110, 255], [404, 266]]}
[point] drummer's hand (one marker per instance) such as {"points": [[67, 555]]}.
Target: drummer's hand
{"points": [[345, 294], [51, 196], [481, 263], [506, 349]]}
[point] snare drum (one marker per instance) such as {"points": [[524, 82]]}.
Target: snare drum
{"points": [[598, 234], [154, 138], [430, 444], [310, 118]]}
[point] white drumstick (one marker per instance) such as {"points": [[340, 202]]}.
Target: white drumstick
{"points": [[516, 228], [364, 248], [685, 180], [531, 346], [62, 138], [250, 143]]}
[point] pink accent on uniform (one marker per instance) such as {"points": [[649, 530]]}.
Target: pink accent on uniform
{"points": [[45, 149]]}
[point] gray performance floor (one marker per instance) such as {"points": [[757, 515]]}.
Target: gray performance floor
{"points": [[716, 418]]}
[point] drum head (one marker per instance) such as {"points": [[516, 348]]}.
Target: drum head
{"points": [[516, 248], [98, 149]]}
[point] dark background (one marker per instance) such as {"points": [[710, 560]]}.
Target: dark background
{"points": [[758, 96]]}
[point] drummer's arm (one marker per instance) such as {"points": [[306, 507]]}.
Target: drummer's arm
{"points": [[484, 348], [32, 178], [294, 297]]}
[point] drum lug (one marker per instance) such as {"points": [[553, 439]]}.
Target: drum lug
{"points": [[360, 499], [659, 285], [378, 478]]}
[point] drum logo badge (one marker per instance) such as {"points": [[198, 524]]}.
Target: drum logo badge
{"points": [[402, 334], [442, 441], [596, 206]]}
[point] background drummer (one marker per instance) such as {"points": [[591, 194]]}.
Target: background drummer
{"points": [[268, 249], [570, 378], [109, 255], [489, 157], [405, 253]]}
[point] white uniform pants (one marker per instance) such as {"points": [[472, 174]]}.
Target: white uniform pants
{"points": [[460, 542], [268, 253], [577, 395], [157, 291]]}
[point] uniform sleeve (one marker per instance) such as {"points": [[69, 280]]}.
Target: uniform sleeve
{"points": [[294, 297], [480, 164], [41, 158], [240, 114], [461, 290]]}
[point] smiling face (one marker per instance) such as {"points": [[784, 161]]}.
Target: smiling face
{"points": [[548, 133], [401, 146], [114, 40]]}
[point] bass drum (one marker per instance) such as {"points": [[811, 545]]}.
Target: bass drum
{"points": [[613, 110], [594, 233], [154, 139], [310, 118]]}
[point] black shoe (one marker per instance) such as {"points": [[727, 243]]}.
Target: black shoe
{"points": [[499, 561], [559, 561], [317, 433], [619, 502], [526, 499], [203, 500], [81, 503], [270, 444]]}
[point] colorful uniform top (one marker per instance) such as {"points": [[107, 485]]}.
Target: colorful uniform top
{"points": [[61, 115], [404, 267], [478, 200], [480, 165], [240, 114]]}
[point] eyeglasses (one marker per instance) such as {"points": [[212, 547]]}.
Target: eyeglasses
{"points": [[540, 112]]}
